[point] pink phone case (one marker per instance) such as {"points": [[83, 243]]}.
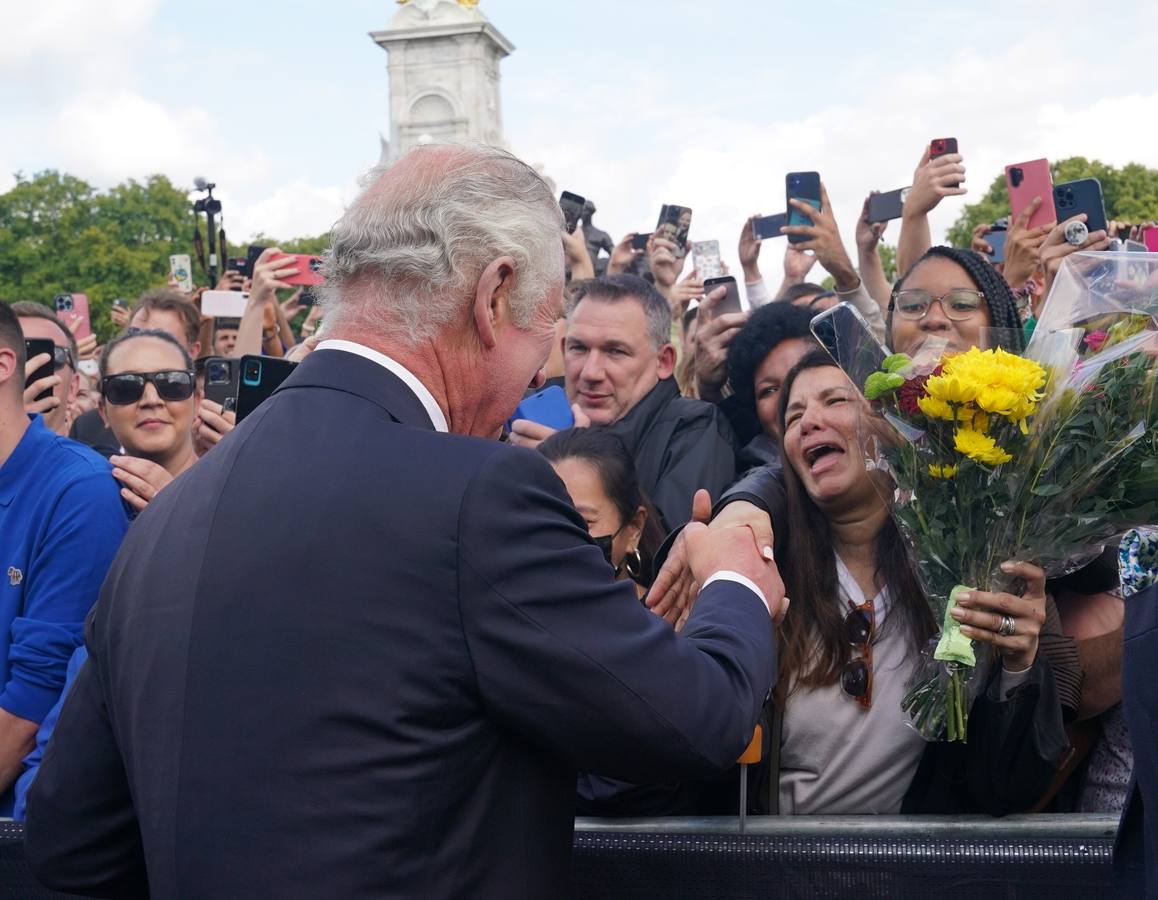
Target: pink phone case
{"points": [[79, 314], [1150, 239], [1035, 181]]}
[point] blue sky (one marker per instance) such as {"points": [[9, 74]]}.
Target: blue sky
{"points": [[633, 104]]}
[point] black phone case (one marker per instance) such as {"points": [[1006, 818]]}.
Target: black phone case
{"points": [[222, 391], [35, 347], [807, 188], [731, 301], [252, 392], [886, 207], [572, 206], [1083, 196], [769, 226]]}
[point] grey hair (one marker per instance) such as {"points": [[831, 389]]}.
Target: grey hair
{"points": [[616, 288], [410, 249]]}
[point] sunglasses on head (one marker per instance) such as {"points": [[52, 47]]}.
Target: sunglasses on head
{"points": [[856, 678], [129, 387], [61, 357]]}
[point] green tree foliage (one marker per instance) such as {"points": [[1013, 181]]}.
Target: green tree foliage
{"points": [[1130, 194], [59, 234]]}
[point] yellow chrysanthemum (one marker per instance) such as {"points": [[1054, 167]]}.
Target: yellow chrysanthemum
{"points": [[937, 409], [980, 422], [979, 447], [950, 388], [942, 471], [1002, 383]]}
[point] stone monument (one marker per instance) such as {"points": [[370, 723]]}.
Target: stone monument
{"points": [[444, 75]]}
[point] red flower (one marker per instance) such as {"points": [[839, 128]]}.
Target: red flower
{"points": [[909, 393], [1095, 339]]}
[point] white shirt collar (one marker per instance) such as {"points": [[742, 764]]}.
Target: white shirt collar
{"points": [[437, 419]]}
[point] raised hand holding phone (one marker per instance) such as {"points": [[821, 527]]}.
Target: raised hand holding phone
{"points": [[823, 239], [933, 181], [1023, 243], [721, 319]]}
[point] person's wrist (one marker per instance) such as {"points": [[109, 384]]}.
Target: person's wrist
{"points": [[751, 272], [843, 274]]}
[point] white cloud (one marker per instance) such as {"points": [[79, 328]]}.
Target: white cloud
{"points": [[69, 31], [107, 137], [296, 209]]}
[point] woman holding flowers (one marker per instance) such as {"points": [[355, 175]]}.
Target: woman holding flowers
{"points": [[858, 624]]}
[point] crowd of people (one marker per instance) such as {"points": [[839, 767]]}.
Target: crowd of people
{"points": [[698, 436]]}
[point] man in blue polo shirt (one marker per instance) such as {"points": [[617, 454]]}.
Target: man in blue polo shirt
{"points": [[61, 522]]}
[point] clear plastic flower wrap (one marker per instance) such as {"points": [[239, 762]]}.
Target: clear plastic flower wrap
{"points": [[994, 456]]}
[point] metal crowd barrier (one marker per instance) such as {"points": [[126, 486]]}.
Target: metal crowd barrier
{"points": [[856, 857]]}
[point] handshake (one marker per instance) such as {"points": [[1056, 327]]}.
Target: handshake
{"points": [[739, 541]]}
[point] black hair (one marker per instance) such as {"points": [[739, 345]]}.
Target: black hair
{"points": [[998, 295], [616, 288], [27, 309], [134, 333], [12, 338], [814, 644], [804, 289], [606, 453], [768, 327]]}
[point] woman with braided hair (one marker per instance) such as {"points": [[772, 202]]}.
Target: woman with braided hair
{"points": [[954, 295]]}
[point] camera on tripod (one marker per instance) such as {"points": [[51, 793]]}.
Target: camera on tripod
{"points": [[208, 204]]}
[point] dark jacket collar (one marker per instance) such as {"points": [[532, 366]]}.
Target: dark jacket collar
{"points": [[633, 427], [353, 374]]}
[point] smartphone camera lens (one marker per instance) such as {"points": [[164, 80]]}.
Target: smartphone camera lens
{"points": [[217, 373], [1016, 176], [252, 371], [316, 264]]}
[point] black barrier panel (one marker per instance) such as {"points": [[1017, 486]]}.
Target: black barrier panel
{"points": [[862, 858], [856, 857]]}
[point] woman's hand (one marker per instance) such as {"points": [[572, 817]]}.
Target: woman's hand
{"points": [[982, 614], [142, 479]]}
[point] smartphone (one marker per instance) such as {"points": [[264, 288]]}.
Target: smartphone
{"points": [[1027, 180], [1150, 239], [73, 311], [35, 347], [674, 224], [731, 301], [307, 267], [943, 147], [639, 242], [888, 206], [181, 268], [801, 186], [221, 377], [572, 206], [238, 264], [1082, 196], [1134, 247], [224, 304], [260, 377], [769, 226], [849, 340], [121, 303], [251, 256], [706, 259], [547, 407], [996, 239]]}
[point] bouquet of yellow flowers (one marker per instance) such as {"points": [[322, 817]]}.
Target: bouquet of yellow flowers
{"points": [[1043, 457]]}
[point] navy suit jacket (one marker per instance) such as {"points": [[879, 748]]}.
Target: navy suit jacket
{"points": [[347, 656]]}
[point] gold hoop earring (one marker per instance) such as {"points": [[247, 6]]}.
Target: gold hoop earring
{"points": [[633, 564]]}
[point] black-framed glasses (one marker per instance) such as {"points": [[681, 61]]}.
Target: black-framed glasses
{"points": [[61, 357], [959, 304], [856, 678], [129, 387]]}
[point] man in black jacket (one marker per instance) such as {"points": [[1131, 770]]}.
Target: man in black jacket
{"points": [[400, 710], [619, 365]]}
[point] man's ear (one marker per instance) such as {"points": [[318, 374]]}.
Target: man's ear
{"points": [[667, 361], [8, 367], [195, 349], [492, 299]]}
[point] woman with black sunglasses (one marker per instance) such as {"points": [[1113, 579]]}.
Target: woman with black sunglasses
{"points": [[148, 400], [854, 634]]}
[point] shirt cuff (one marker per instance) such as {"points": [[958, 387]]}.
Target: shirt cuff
{"points": [[728, 575], [1010, 680], [757, 293]]}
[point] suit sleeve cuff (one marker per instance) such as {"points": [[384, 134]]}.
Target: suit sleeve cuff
{"points": [[728, 575]]}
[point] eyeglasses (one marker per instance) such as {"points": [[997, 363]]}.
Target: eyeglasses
{"points": [[856, 678], [61, 357], [129, 387], [958, 304]]}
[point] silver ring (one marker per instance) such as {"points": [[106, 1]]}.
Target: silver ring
{"points": [[1006, 628]]}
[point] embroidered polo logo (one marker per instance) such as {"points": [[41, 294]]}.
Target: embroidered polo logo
{"points": [[15, 576]]}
